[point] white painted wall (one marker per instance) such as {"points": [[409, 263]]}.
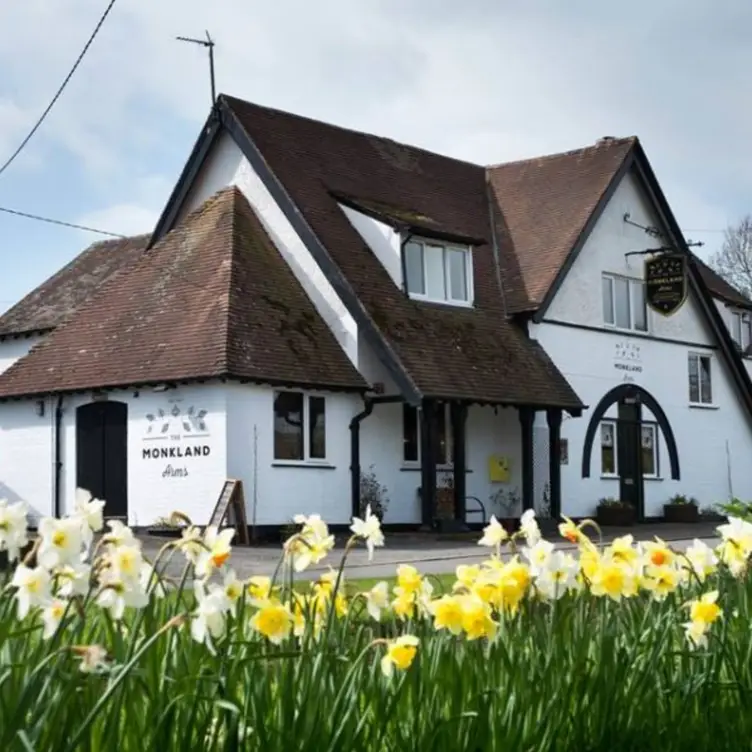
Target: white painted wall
{"points": [[381, 239], [276, 491], [12, 350], [714, 443], [579, 300], [225, 166]]}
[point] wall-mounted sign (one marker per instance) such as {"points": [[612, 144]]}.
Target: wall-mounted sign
{"points": [[628, 357], [666, 282], [498, 469], [176, 434]]}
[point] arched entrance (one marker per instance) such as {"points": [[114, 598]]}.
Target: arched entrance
{"points": [[629, 399], [102, 454]]}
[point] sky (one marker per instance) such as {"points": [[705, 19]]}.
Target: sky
{"points": [[482, 80]]}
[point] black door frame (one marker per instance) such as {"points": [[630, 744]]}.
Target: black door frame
{"points": [[629, 454], [102, 454]]}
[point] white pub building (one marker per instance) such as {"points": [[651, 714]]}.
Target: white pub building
{"points": [[316, 305]]}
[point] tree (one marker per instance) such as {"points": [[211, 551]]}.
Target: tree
{"points": [[734, 261]]}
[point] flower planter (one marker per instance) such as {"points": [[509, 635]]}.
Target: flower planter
{"points": [[615, 516], [681, 513]]}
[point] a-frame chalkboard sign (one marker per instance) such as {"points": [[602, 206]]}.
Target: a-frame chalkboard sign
{"points": [[232, 499]]}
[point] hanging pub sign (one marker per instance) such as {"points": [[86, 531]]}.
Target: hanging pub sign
{"points": [[666, 282]]}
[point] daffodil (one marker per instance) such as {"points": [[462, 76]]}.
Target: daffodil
{"points": [[52, 615], [622, 550], [736, 545], [377, 600], [448, 614], [72, 579], [126, 563], [400, 654], [558, 576], [259, 589], [404, 605], [119, 534], [570, 531], [274, 621], [61, 542], [477, 621], [466, 576], [705, 610], [538, 554], [614, 578], [369, 529], [13, 527], [90, 512], [661, 580], [32, 588], [232, 587], [117, 594], [310, 545], [657, 553], [529, 527], [216, 550], [210, 617], [701, 562], [408, 579], [494, 534], [93, 657]]}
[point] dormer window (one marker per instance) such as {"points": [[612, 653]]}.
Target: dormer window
{"points": [[439, 272], [741, 329]]}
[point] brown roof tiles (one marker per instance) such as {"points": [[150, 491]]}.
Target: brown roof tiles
{"points": [[214, 298]]}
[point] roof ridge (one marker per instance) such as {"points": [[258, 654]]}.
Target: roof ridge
{"points": [[367, 134], [614, 141]]}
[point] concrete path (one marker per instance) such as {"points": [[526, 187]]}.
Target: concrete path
{"points": [[431, 554]]}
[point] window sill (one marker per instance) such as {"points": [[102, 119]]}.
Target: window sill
{"points": [[415, 468], [307, 464], [440, 301], [644, 477], [622, 330], [703, 406]]}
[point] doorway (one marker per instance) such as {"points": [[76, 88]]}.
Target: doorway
{"points": [[102, 454], [629, 454]]}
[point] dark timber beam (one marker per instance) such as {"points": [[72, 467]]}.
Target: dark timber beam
{"points": [[428, 437], [553, 417], [527, 414], [459, 458]]}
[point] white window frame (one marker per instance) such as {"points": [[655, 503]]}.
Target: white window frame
{"points": [[445, 246], [631, 283], [653, 427], [307, 459], [700, 402], [447, 439], [741, 324]]}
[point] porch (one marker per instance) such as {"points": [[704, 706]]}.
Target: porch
{"points": [[447, 465]]}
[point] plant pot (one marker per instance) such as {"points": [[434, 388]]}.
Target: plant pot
{"points": [[681, 513], [615, 516]]}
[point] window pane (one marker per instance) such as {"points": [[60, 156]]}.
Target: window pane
{"points": [[288, 426], [442, 450], [435, 272], [457, 261], [746, 331], [694, 379], [648, 450], [608, 449], [736, 328], [608, 300], [317, 427], [416, 282], [409, 433], [621, 298], [706, 396], [639, 312]]}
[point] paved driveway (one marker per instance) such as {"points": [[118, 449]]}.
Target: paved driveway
{"points": [[430, 553]]}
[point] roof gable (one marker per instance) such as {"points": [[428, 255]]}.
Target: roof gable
{"points": [[547, 207], [213, 298], [56, 299]]}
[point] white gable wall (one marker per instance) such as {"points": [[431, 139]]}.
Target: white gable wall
{"points": [[714, 443], [226, 165]]}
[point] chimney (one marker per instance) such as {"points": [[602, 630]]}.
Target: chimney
{"points": [[604, 141]]}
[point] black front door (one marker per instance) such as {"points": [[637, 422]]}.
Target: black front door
{"points": [[102, 454], [629, 451]]}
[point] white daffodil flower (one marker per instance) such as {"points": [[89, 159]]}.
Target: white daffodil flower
{"points": [[32, 588], [13, 527], [61, 542], [369, 529]]}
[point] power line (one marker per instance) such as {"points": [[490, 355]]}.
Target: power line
{"points": [[59, 222], [59, 91]]}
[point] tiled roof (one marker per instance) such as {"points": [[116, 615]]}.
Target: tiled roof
{"points": [[450, 352], [719, 288], [214, 298], [544, 205], [56, 299]]}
